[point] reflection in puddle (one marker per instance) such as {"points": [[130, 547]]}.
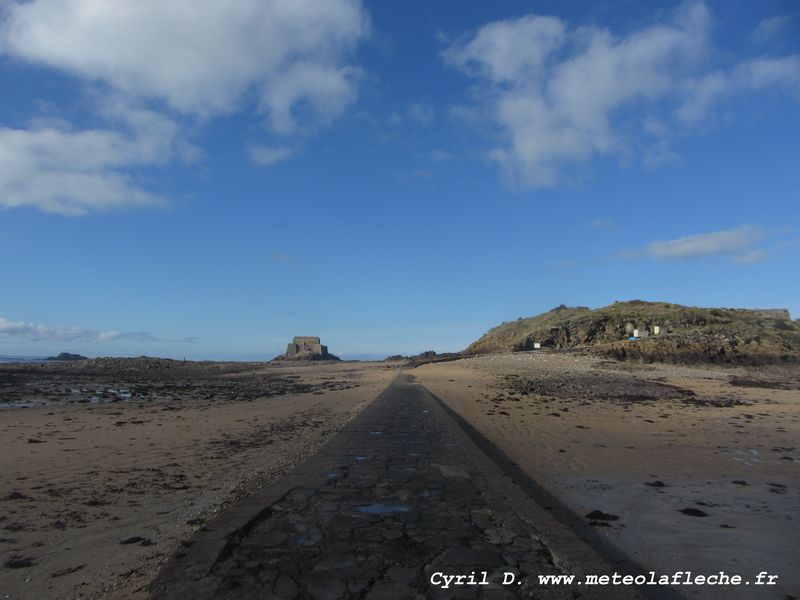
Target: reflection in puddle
{"points": [[381, 509]]}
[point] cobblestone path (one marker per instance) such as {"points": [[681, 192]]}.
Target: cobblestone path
{"points": [[399, 496]]}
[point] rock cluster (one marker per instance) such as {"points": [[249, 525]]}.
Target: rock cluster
{"points": [[685, 334]]}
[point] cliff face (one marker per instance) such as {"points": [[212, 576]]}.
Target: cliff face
{"points": [[686, 334]]}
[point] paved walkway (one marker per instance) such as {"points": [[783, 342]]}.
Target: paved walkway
{"points": [[400, 495]]}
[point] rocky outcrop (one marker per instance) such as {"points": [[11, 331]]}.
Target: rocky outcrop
{"points": [[685, 334]]}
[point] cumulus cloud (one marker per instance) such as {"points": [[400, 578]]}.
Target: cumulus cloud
{"points": [[44, 333], [319, 93], [288, 61], [507, 51], [562, 96], [705, 93], [62, 170], [737, 243], [198, 58]]}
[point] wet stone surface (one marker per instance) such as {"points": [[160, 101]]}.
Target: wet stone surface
{"points": [[399, 502]]}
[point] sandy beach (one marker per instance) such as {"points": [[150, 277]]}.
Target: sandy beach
{"points": [[111, 468], [694, 468]]}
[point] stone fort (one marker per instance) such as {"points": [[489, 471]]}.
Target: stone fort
{"points": [[306, 344]]}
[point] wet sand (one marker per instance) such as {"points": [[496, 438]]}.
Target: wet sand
{"points": [[110, 470], [397, 499], [700, 466]]}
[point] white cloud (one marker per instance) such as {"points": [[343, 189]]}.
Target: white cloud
{"points": [[751, 257], [43, 333], [198, 58], [270, 155], [288, 60], [654, 126], [737, 243], [318, 92], [705, 94], [599, 223], [768, 27], [507, 51], [659, 155], [768, 72], [562, 97], [702, 94], [61, 170], [421, 113], [438, 155], [557, 91]]}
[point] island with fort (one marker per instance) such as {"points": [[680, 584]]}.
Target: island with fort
{"points": [[306, 348]]}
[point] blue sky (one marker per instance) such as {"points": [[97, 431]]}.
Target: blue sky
{"points": [[393, 177]]}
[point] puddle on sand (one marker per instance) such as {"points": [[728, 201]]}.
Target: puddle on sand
{"points": [[382, 509], [17, 405]]}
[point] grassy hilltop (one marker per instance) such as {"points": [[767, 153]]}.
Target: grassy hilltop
{"points": [[689, 334]]}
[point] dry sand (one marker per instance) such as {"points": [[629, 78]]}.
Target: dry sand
{"points": [[644, 442], [98, 488]]}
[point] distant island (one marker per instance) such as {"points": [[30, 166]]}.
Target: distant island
{"points": [[306, 348], [64, 356]]}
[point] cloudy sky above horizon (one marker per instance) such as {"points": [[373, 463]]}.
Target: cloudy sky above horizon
{"points": [[394, 178]]}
